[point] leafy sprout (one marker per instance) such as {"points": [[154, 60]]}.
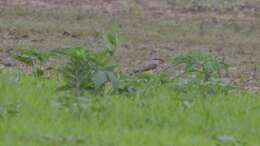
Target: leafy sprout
{"points": [[34, 59], [31, 57], [112, 42]]}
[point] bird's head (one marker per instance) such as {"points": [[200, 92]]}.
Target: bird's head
{"points": [[159, 60]]}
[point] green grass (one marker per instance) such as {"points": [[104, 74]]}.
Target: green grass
{"points": [[157, 119]]}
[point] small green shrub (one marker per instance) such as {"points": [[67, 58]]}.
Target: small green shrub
{"points": [[86, 74], [202, 74], [90, 71], [87, 71], [204, 66], [77, 72]]}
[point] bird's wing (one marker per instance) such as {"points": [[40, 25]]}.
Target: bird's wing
{"points": [[147, 67]]}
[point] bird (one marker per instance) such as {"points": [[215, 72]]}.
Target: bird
{"points": [[155, 64]]}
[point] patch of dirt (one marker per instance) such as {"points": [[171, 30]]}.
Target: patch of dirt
{"points": [[103, 6], [155, 8]]}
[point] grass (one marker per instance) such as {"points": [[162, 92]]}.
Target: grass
{"points": [[159, 118]]}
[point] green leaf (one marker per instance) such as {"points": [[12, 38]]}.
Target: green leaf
{"points": [[113, 79], [101, 58], [112, 42], [24, 59], [30, 56], [100, 78]]}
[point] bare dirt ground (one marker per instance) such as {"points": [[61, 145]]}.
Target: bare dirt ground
{"points": [[166, 26]]}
